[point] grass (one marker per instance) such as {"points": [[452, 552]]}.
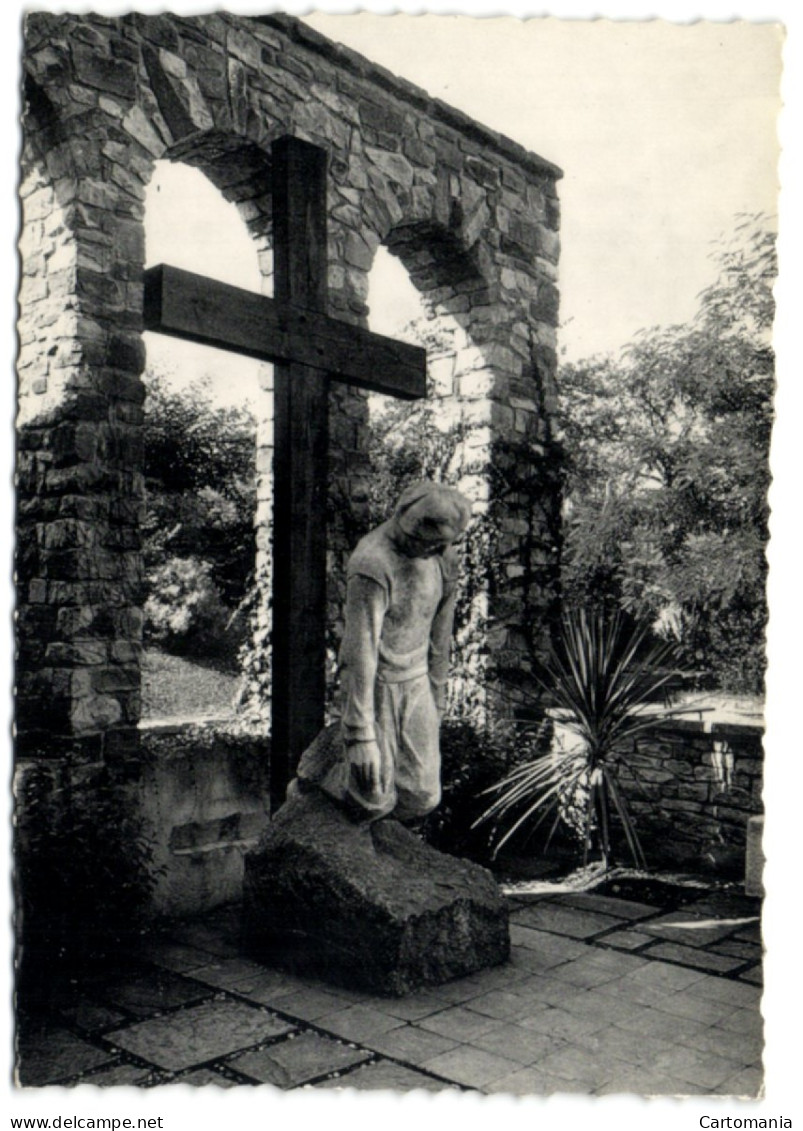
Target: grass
{"points": [[175, 688]]}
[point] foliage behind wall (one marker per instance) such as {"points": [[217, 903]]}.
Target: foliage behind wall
{"points": [[666, 512]]}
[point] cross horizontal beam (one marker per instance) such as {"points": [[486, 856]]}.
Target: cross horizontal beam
{"points": [[198, 309]]}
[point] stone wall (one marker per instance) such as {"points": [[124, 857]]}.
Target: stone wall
{"points": [[162, 834], [202, 795], [692, 790], [472, 216]]}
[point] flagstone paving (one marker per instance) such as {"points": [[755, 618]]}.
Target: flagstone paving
{"points": [[120, 1076], [199, 1034], [387, 1076], [602, 995], [49, 1055], [153, 993], [292, 1062]]}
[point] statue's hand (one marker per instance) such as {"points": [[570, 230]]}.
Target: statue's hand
{"points": [[439, 695], [366, 767]]}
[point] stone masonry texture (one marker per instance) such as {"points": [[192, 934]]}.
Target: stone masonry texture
{"points": [[374, 909], [473, 218], [692, 790]]}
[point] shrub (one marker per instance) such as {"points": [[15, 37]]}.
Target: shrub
{"points": [[668, 470], [472, 759], [199, 540], [184, 612], [602, 678], [84, 874]]}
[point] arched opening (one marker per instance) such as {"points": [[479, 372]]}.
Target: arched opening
{"points": [[397, 307], [202, 417], [416, 439], [425, 290], [455, 310]]}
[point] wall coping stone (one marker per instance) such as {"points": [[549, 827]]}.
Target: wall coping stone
{"points": [[179, 726], [738, 730], [697, 727], [707, 727], [683, 726], [408, 92]]}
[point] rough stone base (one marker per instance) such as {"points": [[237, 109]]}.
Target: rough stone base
{"points": [[754, 858], [368, 906]]}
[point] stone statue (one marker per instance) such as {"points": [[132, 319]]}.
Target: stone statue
{"points": [[384, 757], [331, 890]]}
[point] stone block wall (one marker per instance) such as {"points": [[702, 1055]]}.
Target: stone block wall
{"points": [[692, 791], [202, 794], [78, 470], [473, 217], [173, 824]]}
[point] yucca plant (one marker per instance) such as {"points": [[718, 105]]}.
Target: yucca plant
{"points": [[602, 679]]}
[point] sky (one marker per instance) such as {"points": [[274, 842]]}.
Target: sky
{"points": [[655, 167]]}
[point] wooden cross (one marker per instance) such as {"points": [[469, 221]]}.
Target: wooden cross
{"points": [[294, 331]]}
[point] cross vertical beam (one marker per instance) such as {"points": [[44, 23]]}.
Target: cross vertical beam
{"points": [[294, 331], [301, 443]]}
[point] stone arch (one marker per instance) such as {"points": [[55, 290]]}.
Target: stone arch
{"points": [[473, 216], [241, 171], [471, 382], [230, 210], [81, 403], [499, 382]]}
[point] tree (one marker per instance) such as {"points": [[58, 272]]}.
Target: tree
{"points": [[667, 456], [199, 537]]}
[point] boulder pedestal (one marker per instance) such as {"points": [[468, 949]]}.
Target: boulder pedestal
{"points": [[368, 906]]}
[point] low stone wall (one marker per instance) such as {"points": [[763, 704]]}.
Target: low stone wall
{"points": [[691, 789], [203, 795]]}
